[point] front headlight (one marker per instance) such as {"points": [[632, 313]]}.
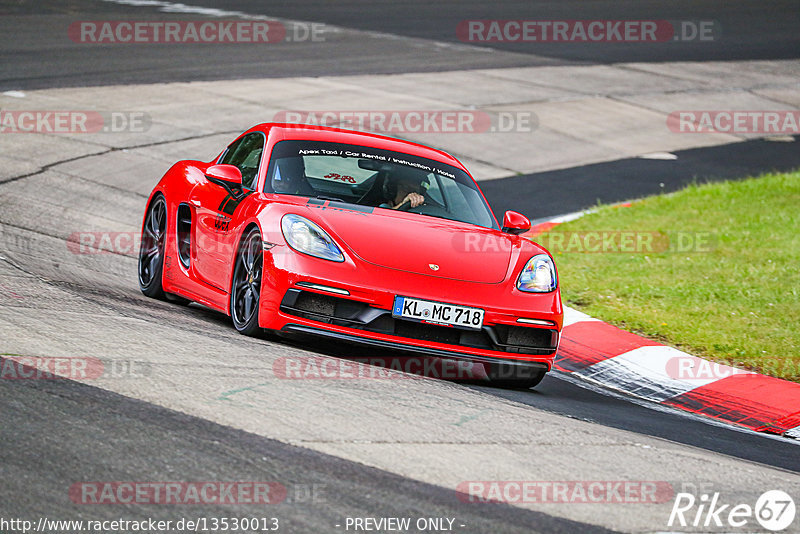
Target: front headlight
{"points": [[538, 275], [307, 237]]}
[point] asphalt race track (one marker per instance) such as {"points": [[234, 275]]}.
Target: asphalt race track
{"points": [[321, 490], [543, 195], [194, 401], [41, 56]]}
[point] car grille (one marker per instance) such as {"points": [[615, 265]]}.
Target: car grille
{"points": [[353, 314], [427, 332]]}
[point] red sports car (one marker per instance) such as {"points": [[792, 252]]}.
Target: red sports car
{"points": [[358, 238]]}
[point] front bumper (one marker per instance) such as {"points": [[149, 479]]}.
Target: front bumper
{"points": [[363, 311], [343, 312]]}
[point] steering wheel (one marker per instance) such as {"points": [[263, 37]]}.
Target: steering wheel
{"points": [[406, 206]]}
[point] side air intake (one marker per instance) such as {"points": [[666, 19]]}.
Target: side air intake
{"points": [[185, 234]]}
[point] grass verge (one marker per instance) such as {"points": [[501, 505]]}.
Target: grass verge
{"points": [[713, 269]]}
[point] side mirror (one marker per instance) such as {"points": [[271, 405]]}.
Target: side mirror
{"points": [[229, 175], [515, 223]]}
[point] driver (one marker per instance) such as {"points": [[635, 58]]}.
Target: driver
{"points": [[404, 185]]}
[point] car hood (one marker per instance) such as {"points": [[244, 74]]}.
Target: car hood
{"points": [[423, 245]]}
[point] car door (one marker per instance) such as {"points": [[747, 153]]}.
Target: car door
{"points": [[215, 209]]}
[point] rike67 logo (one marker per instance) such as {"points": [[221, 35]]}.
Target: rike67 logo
{"points": [[774, 510]]}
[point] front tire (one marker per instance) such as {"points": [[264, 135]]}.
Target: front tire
{"points": [[246, 284], [151, 251]]}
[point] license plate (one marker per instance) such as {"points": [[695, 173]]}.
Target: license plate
{"points": [[440, 313]]}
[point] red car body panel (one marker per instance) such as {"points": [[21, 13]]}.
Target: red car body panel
{"points": [[387, 253]]}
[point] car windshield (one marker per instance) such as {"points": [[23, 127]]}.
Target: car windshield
{"points": [[377, 178]]}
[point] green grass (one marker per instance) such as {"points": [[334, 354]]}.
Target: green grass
{"points": [[735, 299]]}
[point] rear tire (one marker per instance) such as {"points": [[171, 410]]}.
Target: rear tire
{"points": [[151, 250], [246, 284]]}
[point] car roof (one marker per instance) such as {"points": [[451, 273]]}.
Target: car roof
{"points": [[305, 132]]}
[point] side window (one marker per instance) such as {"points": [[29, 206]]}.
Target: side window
{"points": [[246, 155]]}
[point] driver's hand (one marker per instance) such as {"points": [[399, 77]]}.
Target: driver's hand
{"points": [[415, 199]]}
